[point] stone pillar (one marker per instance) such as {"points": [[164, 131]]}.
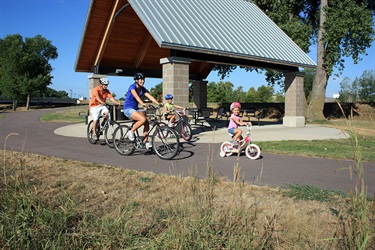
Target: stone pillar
{"points": [[176, 79], [200, 94], [294, 100], [93, 82]]}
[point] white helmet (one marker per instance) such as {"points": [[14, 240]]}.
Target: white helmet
{"points": [[104, 81]]}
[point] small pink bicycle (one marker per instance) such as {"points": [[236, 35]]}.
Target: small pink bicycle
{"points": [[252, 151]]}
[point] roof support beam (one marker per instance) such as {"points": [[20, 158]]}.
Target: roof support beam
{"points": [[142, 50], [106, 35]]}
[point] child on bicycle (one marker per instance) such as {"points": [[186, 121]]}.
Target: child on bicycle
{"points": [[169, 108], [235, 122], [133, 98], [97, 103]]}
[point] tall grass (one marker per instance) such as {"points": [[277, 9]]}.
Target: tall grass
{"points": [[354, 231], [28, 222]]}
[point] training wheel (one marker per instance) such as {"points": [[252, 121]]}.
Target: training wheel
{"points": [[222, 154]]}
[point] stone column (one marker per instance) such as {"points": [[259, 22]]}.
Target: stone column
{"points": [[200, 94], [176, 79], [93, 82], [294, 100]]}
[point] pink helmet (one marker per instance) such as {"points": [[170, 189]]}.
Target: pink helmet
{"points": [[235, 105]]}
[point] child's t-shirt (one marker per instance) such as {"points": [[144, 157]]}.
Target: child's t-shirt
{"points": [[169, 107], [232, 124]]}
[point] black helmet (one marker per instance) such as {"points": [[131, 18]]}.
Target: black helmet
{"points": [[139, 76]]}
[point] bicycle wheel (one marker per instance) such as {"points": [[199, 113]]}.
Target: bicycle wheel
{"points": [[164, 133], [109, 132], [166, 147], [90, 131], [252, 151], [224, 148], [186, 132], [122, 144]]}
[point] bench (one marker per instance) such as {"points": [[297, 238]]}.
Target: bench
{"points": [[251, 112], [248, 113], [202, 115]]}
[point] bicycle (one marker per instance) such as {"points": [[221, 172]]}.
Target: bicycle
{"points": [[105, 127], [181, 125], [252, 151], [164, 140]]}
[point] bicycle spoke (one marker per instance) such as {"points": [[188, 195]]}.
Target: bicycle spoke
{"points": [[122, 144], [165, 143], [109, 132]]}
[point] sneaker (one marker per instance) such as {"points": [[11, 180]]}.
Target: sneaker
{"points": [[148, 145], [170, 125], [131, 135], [235, 145], [95, 138]]}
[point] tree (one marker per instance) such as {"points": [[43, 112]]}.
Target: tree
{"points": [[308, 82], [157, 91], [264, 94], [24, 67], [345, 30], [55, 94], [361, 89], [348, 91], [367, 86], [341, 28]]}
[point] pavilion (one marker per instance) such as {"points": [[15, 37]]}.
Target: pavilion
{"points": [[180, 41]]}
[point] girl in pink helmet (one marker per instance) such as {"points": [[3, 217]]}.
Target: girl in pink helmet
{"points": [[234, 122]]}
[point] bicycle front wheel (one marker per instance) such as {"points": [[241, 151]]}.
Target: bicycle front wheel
{"points": [[252, 151], [122, 144], [90, 132], [165, 142], [109, 132], [186, 132]]}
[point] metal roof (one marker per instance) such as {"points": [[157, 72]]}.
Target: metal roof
{"points": [[232, 28]]}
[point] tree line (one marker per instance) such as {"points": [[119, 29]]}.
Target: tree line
{"points": [[340, 29]]}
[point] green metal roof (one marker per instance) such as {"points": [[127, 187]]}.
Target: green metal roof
{"points": [[235, 28]]}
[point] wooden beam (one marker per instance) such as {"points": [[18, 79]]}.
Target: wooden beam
{"points": [[142, 51], [106, 35]]}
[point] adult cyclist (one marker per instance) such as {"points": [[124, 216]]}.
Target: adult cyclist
{"points": [[97, 103], [133, 98]]}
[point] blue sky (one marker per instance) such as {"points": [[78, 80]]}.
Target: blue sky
{"points": [[62, 22]]}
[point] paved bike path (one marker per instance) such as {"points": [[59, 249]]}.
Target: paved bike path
{"points": [[271, 170]]}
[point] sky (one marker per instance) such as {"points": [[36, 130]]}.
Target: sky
{"points": [[62, 22]]}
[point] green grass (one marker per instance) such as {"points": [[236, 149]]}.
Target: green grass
{"points": [[306, 192], [70, 115], [335, 149]]}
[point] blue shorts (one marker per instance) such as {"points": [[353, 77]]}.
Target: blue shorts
{"points": [[129, 112], [231, 130]]}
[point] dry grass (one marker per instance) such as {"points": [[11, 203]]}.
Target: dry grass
{"points": [[106, 191], [362, 121]]}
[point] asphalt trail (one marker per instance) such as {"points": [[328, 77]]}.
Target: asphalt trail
{"points": [[271, 170]]}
